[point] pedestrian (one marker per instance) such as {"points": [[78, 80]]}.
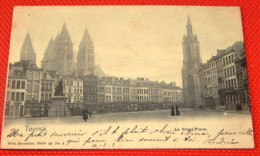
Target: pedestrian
{"points": [[240, 108], [237, 107], [90, 113], [85, 115], [177, 111], [172, 112]]}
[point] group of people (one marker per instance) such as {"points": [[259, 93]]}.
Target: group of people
{"points": [[177, 111], [85, 114]]}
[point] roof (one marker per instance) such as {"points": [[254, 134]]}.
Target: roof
{"points": [[64, 34], [27, 44], [48, 51], [86, 40]]}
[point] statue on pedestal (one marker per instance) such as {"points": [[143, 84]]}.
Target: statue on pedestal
{"points": [[59, 89], [59, 106]]}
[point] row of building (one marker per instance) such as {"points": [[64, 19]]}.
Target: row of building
{"points": [[223, 79], [29, 84]]}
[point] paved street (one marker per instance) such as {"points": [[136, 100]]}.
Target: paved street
{"points": [[147, 116]]}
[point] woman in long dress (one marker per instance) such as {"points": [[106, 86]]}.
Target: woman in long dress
{"points": [[177, 111], [85, 115], [172, 112]]}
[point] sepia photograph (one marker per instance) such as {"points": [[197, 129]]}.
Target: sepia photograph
{"points": [[126, 77]]}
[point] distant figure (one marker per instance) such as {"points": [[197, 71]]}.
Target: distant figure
{"points": [[172, 112], [177, 111], [237, 107], [85, 114], [90, 113], [240, 108]]}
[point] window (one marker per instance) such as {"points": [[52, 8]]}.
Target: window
{"points": [[36, 76], [29, 75], [8, 96], [18, 84], [29, 87], [42, 97], [36, 88], [13, 84], [43, 86], [46, 96], [23, 85], [22, 96], [80, 91], [226, 60], [9, 84], [17, 97]]}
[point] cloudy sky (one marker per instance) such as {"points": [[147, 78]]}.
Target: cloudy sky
{"points": [[130, 41]]}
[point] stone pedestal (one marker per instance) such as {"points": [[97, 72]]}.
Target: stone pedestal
{"points": [[58, 107]]}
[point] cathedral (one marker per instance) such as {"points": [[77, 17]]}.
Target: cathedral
{"points": [[59, 53], [27, 52], [190, 68], [59, 56]]}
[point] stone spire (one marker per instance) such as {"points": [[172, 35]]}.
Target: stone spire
{"points": [[49, 50], [48, 56], [57, 37], [86, 55], [27, 43], [86, 40], [64, 34], [27, 50], [189, 27]]}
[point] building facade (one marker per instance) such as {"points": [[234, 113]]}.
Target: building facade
{"points": [[190, 68], [16, 91], [234, 91], [119, 90], [242, 82], [90, 85]]}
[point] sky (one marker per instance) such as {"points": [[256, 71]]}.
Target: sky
{"points": [[129, 41]]}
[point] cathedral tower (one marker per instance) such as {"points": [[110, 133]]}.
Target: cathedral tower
{"points": [[59, 54], [48, 57], [27, 51], [63, 51], [190, 68], [86, 56]]}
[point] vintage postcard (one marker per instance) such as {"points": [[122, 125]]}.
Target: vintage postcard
{"points": [[126, 77]]}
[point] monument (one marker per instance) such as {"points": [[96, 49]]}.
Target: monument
{"points": [[59, 103]]}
